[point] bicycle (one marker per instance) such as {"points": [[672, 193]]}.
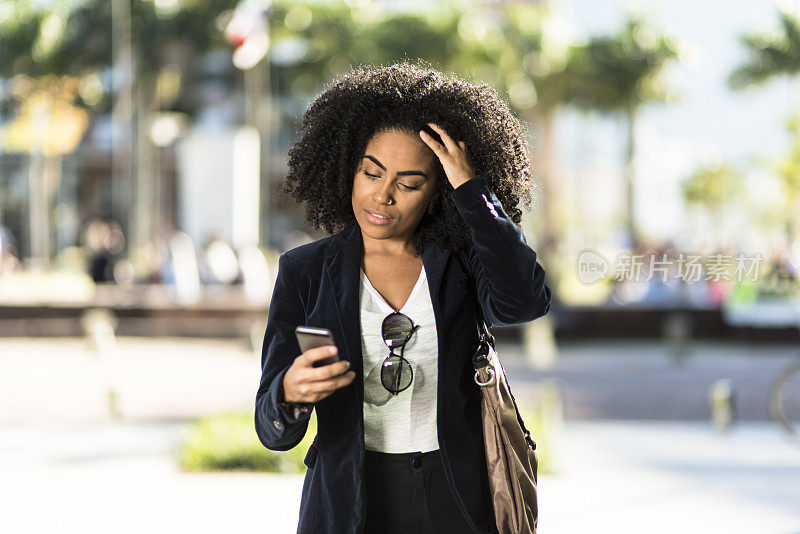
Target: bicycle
{"points": [[784, 402], [751, 305]]}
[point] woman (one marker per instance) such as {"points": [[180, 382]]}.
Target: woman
{"points": [[404, 167]]}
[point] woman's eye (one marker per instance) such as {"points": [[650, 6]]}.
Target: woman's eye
{"points": [[404, 186]]}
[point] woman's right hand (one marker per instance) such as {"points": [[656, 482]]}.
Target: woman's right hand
{"points": [[304, 383]]}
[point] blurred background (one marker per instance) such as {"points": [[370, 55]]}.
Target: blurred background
{"points": [[141, 146]]}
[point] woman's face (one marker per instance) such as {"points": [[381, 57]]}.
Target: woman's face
{"points": [[394, 182]]}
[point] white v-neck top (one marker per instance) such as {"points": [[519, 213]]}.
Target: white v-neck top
{"points": [[406, 422]]}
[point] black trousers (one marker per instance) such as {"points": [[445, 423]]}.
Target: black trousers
{"points": [[407, 493]]}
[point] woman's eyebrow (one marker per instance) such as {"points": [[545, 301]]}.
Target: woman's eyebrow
{"points": [[400, 173]]}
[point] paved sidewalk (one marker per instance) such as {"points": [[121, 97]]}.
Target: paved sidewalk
{"points": [[103, 479], [613, 477], [62, 379], [66, 468], [629, 477], [637, 379]]}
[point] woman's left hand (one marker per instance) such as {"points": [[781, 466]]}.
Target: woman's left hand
{"points": [[452, 155]]}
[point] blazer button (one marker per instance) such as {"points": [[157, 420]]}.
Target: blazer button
{"points": [[277, 424]]}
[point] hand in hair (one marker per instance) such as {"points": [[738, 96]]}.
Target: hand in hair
{"points": [[452, 155]]}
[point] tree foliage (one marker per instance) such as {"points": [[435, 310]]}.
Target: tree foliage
{"points": [[771, 54], [621, 71]]}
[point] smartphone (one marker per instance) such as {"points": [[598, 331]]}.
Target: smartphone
{"points": [[309, 337]]}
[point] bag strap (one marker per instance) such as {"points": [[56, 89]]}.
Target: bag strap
{"points": [[480, 358]]}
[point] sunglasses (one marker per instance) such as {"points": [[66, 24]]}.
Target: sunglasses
{"points": [[396, 373]]}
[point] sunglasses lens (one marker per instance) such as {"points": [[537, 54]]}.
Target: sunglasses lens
{"points": [[396, 374], [396, 329]]}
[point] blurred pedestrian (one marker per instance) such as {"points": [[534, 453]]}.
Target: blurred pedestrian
{"points": [[218, 263], [9, 260], [104, 243]]}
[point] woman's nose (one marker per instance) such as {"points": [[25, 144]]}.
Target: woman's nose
{"points": [[382, 194]]}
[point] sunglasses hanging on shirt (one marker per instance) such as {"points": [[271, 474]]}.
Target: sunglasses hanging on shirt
{"points": [[396, 372]]}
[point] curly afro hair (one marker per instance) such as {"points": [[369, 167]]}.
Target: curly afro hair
{"points": [[367, 100]]}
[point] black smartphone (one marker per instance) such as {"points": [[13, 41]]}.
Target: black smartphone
{"points": [[309, 337]]}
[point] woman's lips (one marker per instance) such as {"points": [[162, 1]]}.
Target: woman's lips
{"points": [[375, 219]]}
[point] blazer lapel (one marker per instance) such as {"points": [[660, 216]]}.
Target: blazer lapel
{"points": [[434, 259], [341, 268]]}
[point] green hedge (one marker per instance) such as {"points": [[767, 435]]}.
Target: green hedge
{"points": [[228, 441]]}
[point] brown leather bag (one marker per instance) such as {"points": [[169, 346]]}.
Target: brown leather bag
{"points": [[511, 456]]}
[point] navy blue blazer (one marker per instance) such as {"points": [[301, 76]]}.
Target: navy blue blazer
{"points": [[318, 285]]}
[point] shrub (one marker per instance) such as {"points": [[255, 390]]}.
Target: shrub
{"points": [[228, 441]]}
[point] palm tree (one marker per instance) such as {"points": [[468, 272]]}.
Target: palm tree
{"points": [[47, 126], [620, 74], [774, 54], [787, 168], [713, 187]]}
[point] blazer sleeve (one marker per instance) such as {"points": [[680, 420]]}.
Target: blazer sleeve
{"points": [[279, 426], [510, 282]]}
